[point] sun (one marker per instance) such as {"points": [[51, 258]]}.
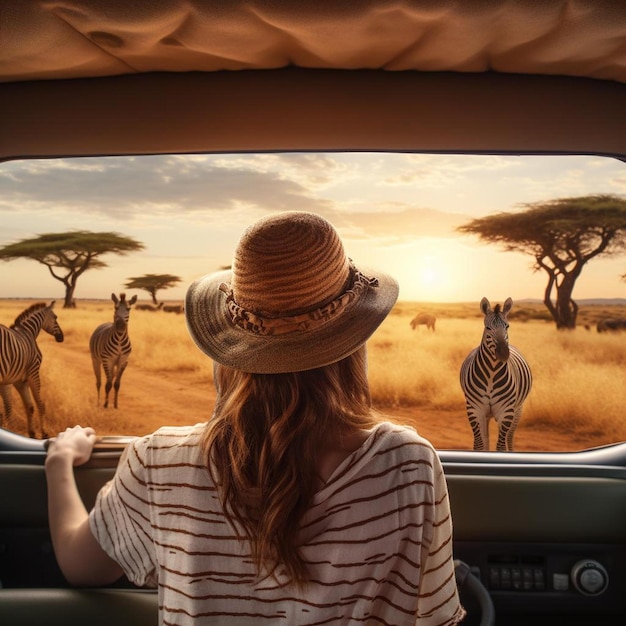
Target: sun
{"points": [[422, 277], [430, 276]]}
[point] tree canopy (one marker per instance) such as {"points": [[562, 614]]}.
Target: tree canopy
{"points": [[562, 235], [69, 255], [153, 283]]}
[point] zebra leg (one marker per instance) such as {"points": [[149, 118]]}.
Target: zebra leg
{"points": [[506, 430], [108, 373], [5, 392], [514, 423], [96, 370], [479, 422], [107, 390], [34, 384], [118, 381], [23, 389]]}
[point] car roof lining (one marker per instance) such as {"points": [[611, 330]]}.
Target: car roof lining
{"points": [[55, 39]]}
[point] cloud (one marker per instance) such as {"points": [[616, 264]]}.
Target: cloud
{"points": [[311, 170], [368, 195], [125, 188]]}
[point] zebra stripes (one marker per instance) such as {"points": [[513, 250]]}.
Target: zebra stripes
{"points": [[496, 380], [20, 360], [110, 348]]}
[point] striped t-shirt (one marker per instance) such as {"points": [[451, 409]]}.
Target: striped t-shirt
{"points": [[377, 539]]}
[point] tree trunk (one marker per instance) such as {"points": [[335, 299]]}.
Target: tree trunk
{"points": [[547, 295], [69, 302], [566, 308], [565, 311]]}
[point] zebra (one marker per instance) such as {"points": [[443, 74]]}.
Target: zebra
{"points": [[424, 319], [110, 348], [496, 380], [20, 360]]}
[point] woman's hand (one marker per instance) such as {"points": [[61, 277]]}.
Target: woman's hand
{"points": [[75, 442]]}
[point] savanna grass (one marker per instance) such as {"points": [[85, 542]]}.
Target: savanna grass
{"points": [[579, 384]]}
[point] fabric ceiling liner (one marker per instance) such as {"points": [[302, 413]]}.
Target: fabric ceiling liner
{"points": [[54, 39]]}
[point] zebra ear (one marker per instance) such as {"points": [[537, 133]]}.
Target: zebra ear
{"points": [[508, 305], [133, 300], [114, 298], [485, 307], [52, 304]]}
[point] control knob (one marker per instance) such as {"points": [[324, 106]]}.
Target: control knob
{"points": [[589, 577]]}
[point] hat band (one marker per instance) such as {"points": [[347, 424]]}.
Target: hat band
{"points": [[258, 325]]}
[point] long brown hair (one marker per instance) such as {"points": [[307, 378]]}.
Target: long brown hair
{"points": [[262, 447]]}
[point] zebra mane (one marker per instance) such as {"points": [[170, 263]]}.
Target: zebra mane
{"points": [[496, 309], [122, 297], [27, 313]]}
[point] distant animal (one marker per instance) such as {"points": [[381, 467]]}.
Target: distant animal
{"points": [[173, 308], [110, 348], [424, 319], [149, 307], [20, 361], [496, 380], [608, 325]]}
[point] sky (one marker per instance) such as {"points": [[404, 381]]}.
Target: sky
{"points": [[396, 212]]}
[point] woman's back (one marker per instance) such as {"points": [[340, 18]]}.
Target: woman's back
{"points": [[376, 540]]}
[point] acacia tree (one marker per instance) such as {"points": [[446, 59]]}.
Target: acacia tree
{"points": [[69, 255], [563, 235], [153, 283]]}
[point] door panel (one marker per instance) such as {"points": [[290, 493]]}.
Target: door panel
{"points": [[537, 518]]}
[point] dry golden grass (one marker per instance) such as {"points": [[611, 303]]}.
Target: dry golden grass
{"points": [[579, 381], [579, 384]]}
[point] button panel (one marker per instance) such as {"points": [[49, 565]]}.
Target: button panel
{"points": [[518, 577], [530, 573], [585, 581]]}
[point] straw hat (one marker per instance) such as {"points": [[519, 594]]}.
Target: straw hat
{"points": [[292, 302]]}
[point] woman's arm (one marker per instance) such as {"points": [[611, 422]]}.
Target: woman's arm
{"points": [[79, 555]]}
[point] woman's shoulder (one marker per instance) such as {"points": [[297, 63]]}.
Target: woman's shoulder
{"points": [[170, 440], [401, 439], [179, 432]]}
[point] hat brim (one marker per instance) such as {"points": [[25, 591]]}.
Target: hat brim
{"points": [[212, 330]]}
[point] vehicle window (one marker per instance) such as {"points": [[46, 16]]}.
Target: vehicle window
{"points": [[453, 229]]}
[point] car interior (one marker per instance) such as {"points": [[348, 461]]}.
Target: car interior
{"points": [[542, 535]]}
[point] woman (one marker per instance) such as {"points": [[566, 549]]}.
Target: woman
{"points": [[294, 504]]}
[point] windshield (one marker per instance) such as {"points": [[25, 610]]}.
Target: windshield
{"points": [[452, 229]]}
